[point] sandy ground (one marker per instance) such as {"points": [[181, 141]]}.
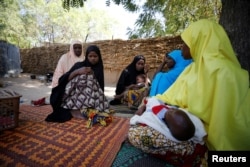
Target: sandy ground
{"points": [[34, 89]]}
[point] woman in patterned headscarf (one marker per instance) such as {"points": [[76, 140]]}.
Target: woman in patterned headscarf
{"points": [[128, 76], [67, 60]]}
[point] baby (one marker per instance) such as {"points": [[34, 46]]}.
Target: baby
{"points": [[141, 80], [178, 122], [174, 123]]}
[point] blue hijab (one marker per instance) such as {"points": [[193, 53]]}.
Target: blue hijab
{"points": [[163, 80]]}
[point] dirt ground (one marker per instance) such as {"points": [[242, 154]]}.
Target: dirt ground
{"points": [[34, 89]]}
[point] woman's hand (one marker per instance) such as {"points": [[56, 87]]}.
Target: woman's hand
{"points": [[84, 70], [80, 71], [132, 86], [146, 68]]}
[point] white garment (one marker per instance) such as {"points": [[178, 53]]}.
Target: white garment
{"points": [[150, 119]]}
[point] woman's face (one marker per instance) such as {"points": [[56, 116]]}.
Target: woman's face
{"points": [[93, 57], [140, 65], [77, 49], [186, 52], [170, 62]]}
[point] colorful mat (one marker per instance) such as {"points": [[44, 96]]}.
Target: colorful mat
{"points": [[32, 113], [131, 156], [38, 143]]}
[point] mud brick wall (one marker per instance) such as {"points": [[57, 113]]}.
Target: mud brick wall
{"points": [[116, 54]]}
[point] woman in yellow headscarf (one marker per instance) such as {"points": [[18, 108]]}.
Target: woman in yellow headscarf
{"points": [[214, 87]]}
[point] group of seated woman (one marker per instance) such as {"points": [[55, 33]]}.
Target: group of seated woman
{"points": [[213, 88], [126, 91], [81, 88], [202, 98]]}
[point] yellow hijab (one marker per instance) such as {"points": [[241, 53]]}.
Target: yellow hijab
{"points": [[214, 87]]}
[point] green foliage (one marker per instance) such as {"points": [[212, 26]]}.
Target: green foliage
{"points": [[28, 23], [35, 22], [3, 6], [128, 5], [162, 17], [72, 3], [184, 12], [8, 28]]}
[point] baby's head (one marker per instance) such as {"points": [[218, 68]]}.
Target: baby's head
{"points": [[141, 78], [179, 124]]}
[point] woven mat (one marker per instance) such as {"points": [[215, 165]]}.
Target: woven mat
{"points": [[131, 156], [38, 143], [36, 114]]}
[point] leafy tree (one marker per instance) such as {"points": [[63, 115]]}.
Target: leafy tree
{"points": [[162, 17], [177, 14], [72, 3], [6, 20], [19, 25], [30, 23], [2, 20]]}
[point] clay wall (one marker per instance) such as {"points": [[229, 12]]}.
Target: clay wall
{"points": [[116, 54]]}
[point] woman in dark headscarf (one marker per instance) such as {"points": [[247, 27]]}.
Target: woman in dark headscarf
{"points": [[79, 88], [128, 76]]}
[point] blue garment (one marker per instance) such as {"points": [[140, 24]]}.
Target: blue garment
{"points": [[163, 80]]}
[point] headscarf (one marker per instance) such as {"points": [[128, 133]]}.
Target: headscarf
{"points": [[163, 80], [72, 58], [131, 68], [97, 68], [128, 75], [65, 62], [214, 87]]}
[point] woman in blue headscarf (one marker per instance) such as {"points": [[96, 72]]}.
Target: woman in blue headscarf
{"points": [[163, 80]]}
